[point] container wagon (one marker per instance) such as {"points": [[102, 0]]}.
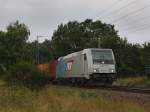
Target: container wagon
{"points": [[49, 68]]}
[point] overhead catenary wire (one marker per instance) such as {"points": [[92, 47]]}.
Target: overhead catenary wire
{"points": [[111, 5], [117, 10], [137, 26], [131, 13], [138, 29], [136, 11], [138, 20]]}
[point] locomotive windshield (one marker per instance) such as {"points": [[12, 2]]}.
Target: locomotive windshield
{"points": [[102, 57]]}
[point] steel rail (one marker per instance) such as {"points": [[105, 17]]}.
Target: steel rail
{"points": [[113, 88]]}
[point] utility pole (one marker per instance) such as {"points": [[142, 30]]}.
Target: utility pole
{"points": [[99, 42], [149, 65], [38, 50], [98, 38], [37, 55]]}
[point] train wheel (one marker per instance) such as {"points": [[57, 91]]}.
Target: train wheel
{"points": [[109, 82], [82, 82]]}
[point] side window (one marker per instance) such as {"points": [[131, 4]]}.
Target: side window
{"points": [[85, 57]]}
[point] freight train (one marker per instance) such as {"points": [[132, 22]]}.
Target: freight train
{"points": [[93, 65]]}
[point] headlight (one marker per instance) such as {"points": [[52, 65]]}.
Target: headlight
{"points": [[96, 70], [112, 70]]}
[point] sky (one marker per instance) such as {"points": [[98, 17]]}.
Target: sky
{"points": [[130, 17]]}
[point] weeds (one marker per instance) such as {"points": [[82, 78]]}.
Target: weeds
{"points": [[134, 82], [59, 99]]}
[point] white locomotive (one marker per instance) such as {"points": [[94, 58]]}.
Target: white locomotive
{"points": [[88, 65]]}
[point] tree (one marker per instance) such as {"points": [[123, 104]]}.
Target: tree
{"points": [[13, 43], [75, 36], [3, 52], [45, 51], [146, 57]]}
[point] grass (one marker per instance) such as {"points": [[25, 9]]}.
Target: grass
{"points": [[61, 99], [134, 82]]}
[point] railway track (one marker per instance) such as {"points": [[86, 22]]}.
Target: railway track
{"points": [[126, 89], [115, 88]]}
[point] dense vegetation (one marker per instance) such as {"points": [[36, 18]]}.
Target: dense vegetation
{"points": [[28, 75], [17, 61], [73, 36], [58, 99], [143, 82]]}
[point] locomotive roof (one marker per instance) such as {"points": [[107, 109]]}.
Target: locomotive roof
{"points": [[97, 49], [80, 52]]}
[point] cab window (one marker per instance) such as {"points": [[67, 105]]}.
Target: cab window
{"points": [[85, 57]]}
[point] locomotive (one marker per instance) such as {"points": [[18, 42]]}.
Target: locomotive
{"points": [[92, 65]]}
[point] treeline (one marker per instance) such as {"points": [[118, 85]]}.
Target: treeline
{"points": [[131, 59]]}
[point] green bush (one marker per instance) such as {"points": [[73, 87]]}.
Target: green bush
{"points": [[28, 75]]}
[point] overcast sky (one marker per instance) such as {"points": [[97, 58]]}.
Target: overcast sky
{"points": [[131, 17]]}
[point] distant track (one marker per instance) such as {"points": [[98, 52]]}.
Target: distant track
{"points": [[125, 89], [115, 88]]}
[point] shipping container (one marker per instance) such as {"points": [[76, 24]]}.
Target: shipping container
{"points": [[52, 68], [44, 67]]}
